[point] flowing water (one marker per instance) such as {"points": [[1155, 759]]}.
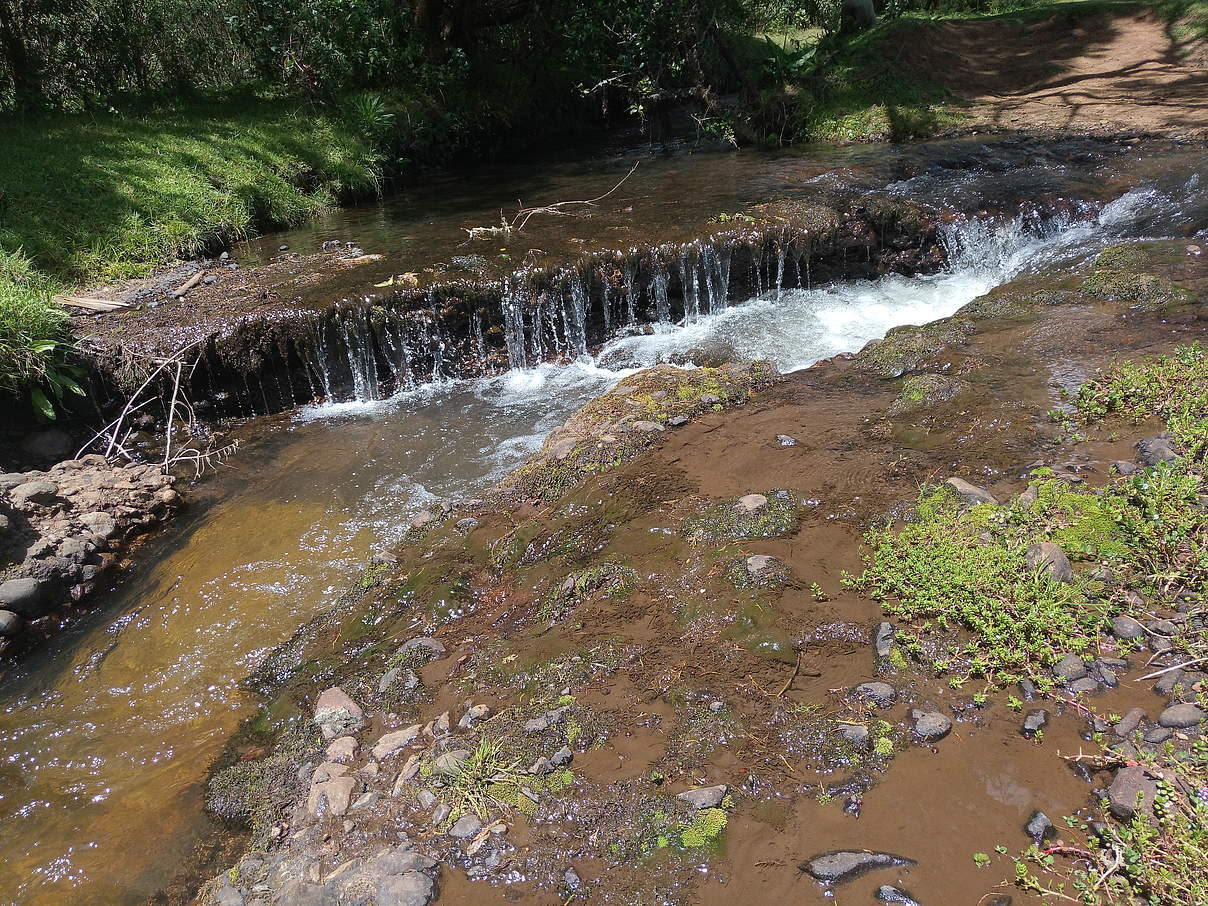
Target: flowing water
{"points": [[106, 733]]}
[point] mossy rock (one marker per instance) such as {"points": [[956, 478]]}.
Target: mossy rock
{"points": [[1147, 292], [907, 348], [799, 215], [1014, 305], [1123, 257], [926, 391], [726, 521]]}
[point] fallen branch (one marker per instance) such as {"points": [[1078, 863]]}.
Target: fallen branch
{"points": [[1198, 660], [188, 285]]}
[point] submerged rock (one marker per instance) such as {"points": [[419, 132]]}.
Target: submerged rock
{"points": [[843, 865], [931, 726], [1039, 827], [1034, 722], [887, 894], [1181, 716], [883, 640], [881, 694], [1153, 450], [704, 797]]}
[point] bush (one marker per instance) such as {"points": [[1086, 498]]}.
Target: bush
{"points": [[31, 334]]}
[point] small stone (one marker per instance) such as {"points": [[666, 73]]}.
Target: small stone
{"points": [[931, 726], [1131, 784], [1156, 735], [466, 525], [1039, 827], [435, 646], [648, 427], [1181, 716], [883, 640], [10, 624], [750, 504], [392, 742], [422, 520], [426, 798], [677, 421], [1129, 723], [450, 762], [337, 714], [786, 440], [1168, 682], [710, 399], [887, 894], [41, 492], [1069, 668], [473, 714], [101, 524], [1087, 685], [571, 879], [1048, 558], [365, 800], [844, 865], [761, 566], [971, 492], [342, 749], [879, 693], [331, 797], [704, 797], [23, 597], [541, 767], [228, 896], [440, 813], [465, 826], [562, 757], [407, 774], [283, 248], [856, 734], [1128, 629], [412, 888], [1034, 722], [1153, 450]]}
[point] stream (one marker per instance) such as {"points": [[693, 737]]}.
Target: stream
{"points": [[107, 732]]}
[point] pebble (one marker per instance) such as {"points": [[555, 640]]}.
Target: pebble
{"points": [[879, 693], [1039, 827], [337, 714], [562, 757], [931, 726], [751, 503], [1127, 629], [23, 597], [761, 566], [1034, 721], [1167, 682], [1129, 723], [887, 894], [845, 864], [648, 427], [465, 826], [1085, 686], [392, 742], [1181, 716], [571, 878], [883, 640], [677, 421], [971, 492], [856, 734], [342, 749], [1125, 787], [1070, 668], [440, 813], [1048, 558], [786, 440], [1153, 450], [541, 767], [704, 797], [10, 623], [449, 762]]}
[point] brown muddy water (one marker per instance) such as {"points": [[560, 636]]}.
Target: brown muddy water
{"points": [[107, 733]]}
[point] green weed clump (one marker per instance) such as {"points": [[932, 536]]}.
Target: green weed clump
{"points": [[33, 346]]}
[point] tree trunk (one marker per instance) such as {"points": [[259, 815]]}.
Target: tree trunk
{"points": [[23, 67]]}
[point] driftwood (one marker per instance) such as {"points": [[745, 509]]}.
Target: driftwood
{"points": [[558, 208], [88, 303], [188, 285]]}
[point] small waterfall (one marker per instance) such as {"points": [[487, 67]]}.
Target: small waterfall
{"points": [[513, 303], [576, 316], [658, 290]]}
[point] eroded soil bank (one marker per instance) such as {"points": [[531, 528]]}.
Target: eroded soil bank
{"points": [[633, 673]]}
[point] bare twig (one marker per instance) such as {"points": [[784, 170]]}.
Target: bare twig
{"points": [[1198, 660]]}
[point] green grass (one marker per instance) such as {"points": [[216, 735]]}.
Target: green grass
{"points": [[110, 196], [31, 331]]}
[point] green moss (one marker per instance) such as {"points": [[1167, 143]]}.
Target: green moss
{"points": [[725, 521], [925, 391], [1147, 292], [706, 828], [906, 349], [1122, 257]]}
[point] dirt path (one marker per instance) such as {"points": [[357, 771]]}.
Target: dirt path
{"points": [[1126, 72]]}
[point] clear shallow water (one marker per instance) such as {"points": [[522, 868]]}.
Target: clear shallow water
{"points": [[105, 736]]}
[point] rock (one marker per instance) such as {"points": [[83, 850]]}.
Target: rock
{"points": [[888, 894], [23, 597], [435, 646], [365, 801], [1085, 686], [413, 888], [704, 797], [394, 674], [407, 774], [1157, 735], [750, 504], [10, 624], [342, 749], [648, 427], [761, 567], [49, 445], [571, 879], [440, 813], [562, 757], [881, 694], [1129, 723], [931, 726], [545, 721], [1181, 716], [101, 524], [1034, 721], [337, 714], [426, 798], [331, 797], [1168, 682], [392, 742], [845, 864], [1070, 668], [1153, 450], [466, 525], [450, 762], [856, 734], [422, 520], [1130, 786], [710, 399], [677, 421], [227, 895], [1039, 827], [31, 492], [786, 440], [473, 714], [465, 826], [541, 767], [971, 492], [883, 640], [1047, 557], [1128, 629], [327, 770]]}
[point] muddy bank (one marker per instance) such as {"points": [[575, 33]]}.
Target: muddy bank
{"points": [[64, 531], [632, 672]]}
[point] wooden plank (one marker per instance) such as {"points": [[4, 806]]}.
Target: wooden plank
{"points": [[90, 304]]}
